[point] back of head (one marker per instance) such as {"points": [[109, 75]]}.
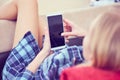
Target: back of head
{"points": [[105, 42]]}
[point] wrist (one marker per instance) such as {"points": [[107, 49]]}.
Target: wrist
{"points": [[33, 66], [44, 53]]}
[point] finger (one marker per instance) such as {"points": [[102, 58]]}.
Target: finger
{"points": [[64, 24], [67, 27], [66, 40], [46, 34], [68, 34], [47, 38], [68, 22]]}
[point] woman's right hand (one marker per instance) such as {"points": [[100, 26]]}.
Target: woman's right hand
{"points": [[71, 29]]}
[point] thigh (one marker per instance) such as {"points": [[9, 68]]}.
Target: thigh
{"points": [[27, 19]]}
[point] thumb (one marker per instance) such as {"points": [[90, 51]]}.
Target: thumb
{"points": [[47, 38], [68, 34]]}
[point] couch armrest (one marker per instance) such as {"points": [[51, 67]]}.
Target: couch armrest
{"points": [[7, 29], [3, 57]]}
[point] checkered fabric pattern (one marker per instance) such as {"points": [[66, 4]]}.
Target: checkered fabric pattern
{"points": [[19, 58], [50, 69], [57, 62]]}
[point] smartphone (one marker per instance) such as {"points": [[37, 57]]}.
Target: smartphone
{"points": [[55, 25]]}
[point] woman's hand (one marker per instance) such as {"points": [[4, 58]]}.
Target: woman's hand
{"points": [[34, 65], [46, 44], [71, 29]]}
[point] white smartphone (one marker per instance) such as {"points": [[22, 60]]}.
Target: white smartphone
{"points": [[55, 25]]}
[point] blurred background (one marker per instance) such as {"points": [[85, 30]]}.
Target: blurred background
{"points": [[48, 6]]}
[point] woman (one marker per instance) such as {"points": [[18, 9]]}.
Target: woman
{"points": [[25, 68], [25, 61], [100, 49]]}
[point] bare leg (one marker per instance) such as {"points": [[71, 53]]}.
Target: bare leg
{"points": [[27, 19], [8, 10], [9, 27]]}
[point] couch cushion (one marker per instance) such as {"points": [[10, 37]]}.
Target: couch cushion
{"points": [[3, 57]]}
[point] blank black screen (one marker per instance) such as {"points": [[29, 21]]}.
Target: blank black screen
{"points": [[55, 29]]}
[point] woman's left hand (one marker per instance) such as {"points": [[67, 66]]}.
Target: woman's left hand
{"points": [[46, 44]]}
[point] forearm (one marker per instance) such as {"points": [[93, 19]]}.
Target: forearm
{"points": [[33, 66]]}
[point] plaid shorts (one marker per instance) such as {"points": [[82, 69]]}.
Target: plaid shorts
{"points": [[50, 69]]}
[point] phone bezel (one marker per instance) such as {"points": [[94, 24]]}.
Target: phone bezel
{"points": [[58, 47]]}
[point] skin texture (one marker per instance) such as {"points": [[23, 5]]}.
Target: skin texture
{"points": [[19, 9]]}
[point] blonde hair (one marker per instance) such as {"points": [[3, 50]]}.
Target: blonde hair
{"points": [[105, 42]]}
